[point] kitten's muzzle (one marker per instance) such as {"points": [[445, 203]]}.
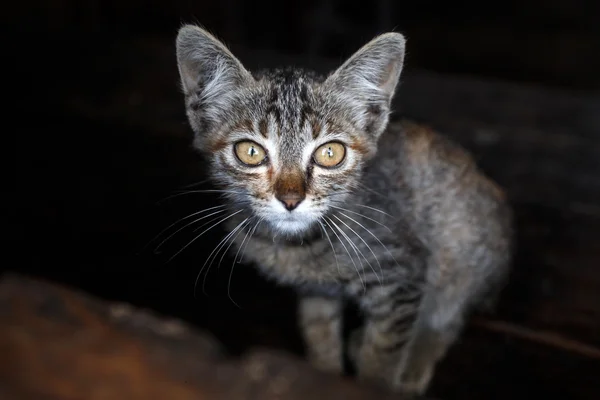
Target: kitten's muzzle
{"points": [[290, 188], [291, 200]]}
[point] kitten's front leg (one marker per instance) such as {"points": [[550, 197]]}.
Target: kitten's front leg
{"points": [[320, 320], [390, 316]]}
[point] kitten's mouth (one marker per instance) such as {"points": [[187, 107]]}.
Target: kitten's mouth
{"points": [[295, 228], [291, 223]]}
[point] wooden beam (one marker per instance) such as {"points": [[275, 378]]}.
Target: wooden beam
{"points": [[60, 344]]}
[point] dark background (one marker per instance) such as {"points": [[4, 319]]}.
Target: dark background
{"points": [[100, 137]]}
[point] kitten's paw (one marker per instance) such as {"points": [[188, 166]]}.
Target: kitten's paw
{"points": [[374, 367], [414, 382], [331, 363]]}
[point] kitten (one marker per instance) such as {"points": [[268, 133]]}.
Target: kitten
{"points": [[328, 198]]}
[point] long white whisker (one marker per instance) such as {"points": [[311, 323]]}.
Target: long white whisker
{"points": [[369, 247], [185, 226], [203, 232], [246, 246], [329, 221], [251, 232], [216, 249], [181, 220], [227, 249], [331, 244], [341, 192], [206, 223], [350, 242], [375, 209], [239, 229], [372, 234], [371, 190], [196, 183], [361, 215], [210, 191], [196, 192]]}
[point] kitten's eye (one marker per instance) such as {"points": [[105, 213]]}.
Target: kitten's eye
{"points": [[250, 153], [330, 154]]}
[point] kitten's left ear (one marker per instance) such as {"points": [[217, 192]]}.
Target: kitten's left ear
{"points": [[209, 74], [369, 79]]}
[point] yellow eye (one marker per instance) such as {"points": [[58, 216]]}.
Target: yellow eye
{"points": [[250, 153], [330, 154]]}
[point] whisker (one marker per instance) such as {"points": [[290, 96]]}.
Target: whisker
{"points": [[251, 232], [331, 244], [362, 215], [196, 183], [211, 191], [246, 246], [197, 192], [372, 234], [185, 226], [338, 193], [227, 249], [239, 228], [369, 247], [178, 221], [210, 221], [350, 242], [371, 190], [203, 232], [345, 248], [374, 209], [218, 246]]}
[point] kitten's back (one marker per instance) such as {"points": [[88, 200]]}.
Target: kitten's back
{"points": [[450, 203]]}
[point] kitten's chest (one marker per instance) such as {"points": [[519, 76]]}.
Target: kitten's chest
{"points": [[306, 263]]}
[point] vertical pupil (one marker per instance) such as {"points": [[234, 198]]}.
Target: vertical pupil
{"points": [[329, 152], [251, 151]]}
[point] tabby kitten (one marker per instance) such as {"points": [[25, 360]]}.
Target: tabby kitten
{"points": [[328, 198]]}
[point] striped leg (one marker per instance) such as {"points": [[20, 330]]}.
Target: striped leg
{"points": [[320, 319], [391, 312], [440, 322], [427, 348]]}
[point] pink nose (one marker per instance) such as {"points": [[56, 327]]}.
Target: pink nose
{"points": [[290, 200]]}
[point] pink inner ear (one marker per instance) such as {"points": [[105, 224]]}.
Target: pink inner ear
{"points": [[389, 76], [189, 79]]}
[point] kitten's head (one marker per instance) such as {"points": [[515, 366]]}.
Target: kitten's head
{"points": [[287, 144]]}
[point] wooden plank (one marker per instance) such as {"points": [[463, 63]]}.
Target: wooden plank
{"points": [[61, 345]]}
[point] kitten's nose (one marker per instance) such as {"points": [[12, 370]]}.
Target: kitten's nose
{"points": [[291, 200]]}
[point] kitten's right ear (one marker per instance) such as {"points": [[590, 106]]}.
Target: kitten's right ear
{"points": [[367, 81], [209, 72]]}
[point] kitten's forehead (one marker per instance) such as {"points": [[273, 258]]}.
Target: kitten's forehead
{"points": [[290, 102], [290, 98]]}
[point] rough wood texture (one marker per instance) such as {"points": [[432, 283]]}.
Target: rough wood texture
{"points": [[57, 344]]}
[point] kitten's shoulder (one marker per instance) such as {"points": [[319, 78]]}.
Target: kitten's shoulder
{"points": [[423, 146], [430, 154]]}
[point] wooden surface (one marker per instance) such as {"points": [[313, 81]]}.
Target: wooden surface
{"points": [[113, 140], [57, 344]]}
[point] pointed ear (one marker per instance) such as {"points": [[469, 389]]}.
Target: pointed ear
{"points": [[209, 75], [368, 80]]}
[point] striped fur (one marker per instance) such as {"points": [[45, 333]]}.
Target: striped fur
{"points": [[406, 226]]}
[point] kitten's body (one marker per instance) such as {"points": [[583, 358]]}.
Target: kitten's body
{"points": [[433, 189], [406, 225]]}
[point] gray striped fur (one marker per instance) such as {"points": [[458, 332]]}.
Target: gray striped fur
{"points": [[407, 226]]}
